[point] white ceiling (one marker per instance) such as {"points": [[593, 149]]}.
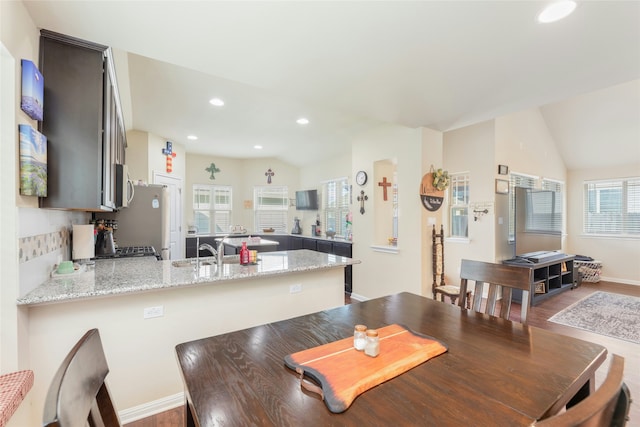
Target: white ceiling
{"points": [[347, 65]]}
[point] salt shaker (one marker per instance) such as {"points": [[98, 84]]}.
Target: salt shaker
{"points": [[372, 345], [359, 337]]}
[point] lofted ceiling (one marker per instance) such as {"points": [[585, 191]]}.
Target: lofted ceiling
{"points": [[349, 65]]}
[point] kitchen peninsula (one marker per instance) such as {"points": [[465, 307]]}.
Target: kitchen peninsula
{"points": [[286, 242], [144, 307]]}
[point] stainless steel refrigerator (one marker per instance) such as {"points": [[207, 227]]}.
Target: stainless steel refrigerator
{"points": [[145, 222]]}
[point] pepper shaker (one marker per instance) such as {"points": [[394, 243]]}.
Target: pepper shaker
{"points": [[372, 345]]}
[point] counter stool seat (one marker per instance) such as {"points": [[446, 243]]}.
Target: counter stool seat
{"points": [[13, 389]]}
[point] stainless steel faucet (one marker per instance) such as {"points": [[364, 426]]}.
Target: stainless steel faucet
{"points": [[221, 251], [202, 247]]}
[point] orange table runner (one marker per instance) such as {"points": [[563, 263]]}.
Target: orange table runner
{"points": [[344, 372]]}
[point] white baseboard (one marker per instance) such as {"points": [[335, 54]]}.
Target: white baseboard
{"points": [[623, 281], [151, 408], [359, 297]]}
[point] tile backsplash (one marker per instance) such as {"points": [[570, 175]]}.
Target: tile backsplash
{"points": [[34, 246], [44, 238]]}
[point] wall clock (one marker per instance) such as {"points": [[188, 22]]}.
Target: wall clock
{"points": [[361, 178]]}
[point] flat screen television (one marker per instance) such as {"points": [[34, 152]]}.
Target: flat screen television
{"points": [[307, 200], [538, 221]]}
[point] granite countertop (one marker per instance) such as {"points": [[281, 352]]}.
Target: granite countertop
{"points": [[122, 276]]}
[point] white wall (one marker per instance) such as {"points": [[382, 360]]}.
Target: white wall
{"points": [[20, 40], [312, 176], [471, 150], [137, 155], [386, 273], [523, 143], [242, 175], [8, 218], [620, 257]]}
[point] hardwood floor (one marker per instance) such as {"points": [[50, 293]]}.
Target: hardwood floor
{"points": [[538, 316]]}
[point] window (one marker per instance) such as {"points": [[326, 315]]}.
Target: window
{"points": [[336, 205], [459, 204], [271, 206], [212, 208], [550, 184], [612, 207]]}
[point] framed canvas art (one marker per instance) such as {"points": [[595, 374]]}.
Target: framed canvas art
{"points": [[33, 162], [32, 90]]}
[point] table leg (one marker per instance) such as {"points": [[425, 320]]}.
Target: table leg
{"points": [[585, 391]]}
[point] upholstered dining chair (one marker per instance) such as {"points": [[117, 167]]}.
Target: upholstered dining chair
{"points": [[498, 276], [607, 406], [78, 393]]}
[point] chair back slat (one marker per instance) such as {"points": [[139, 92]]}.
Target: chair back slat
{"points": [[497, 276]]}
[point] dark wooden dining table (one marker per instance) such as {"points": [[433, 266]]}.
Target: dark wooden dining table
{"points": [[495, 372]]}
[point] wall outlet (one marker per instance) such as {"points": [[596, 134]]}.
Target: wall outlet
{"points": [[151, 312], [294, 289]]}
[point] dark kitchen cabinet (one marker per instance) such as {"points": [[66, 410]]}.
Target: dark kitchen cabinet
{"points": [[309, 244], [295, 243], [282, 239], [324, 246], [82, 122], [340, 249]]}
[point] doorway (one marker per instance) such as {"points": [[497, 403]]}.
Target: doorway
{"points": [[175, 212]]}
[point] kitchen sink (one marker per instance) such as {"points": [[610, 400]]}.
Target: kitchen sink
{"points": [[183, 263], [191, 262], [231, 259]]}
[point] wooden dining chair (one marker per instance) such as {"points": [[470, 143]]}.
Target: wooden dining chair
{"points": [[498, 276], [439, 286], [607, 406], [78, 393]]}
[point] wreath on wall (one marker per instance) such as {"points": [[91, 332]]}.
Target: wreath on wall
{"points": [[440, 180]]}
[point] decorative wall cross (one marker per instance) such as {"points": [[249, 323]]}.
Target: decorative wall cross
{"points": [[170, 155], [361, 199], [269, 173], [384, 184], [213, 170]]}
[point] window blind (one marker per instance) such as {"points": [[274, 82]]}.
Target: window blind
{"points": [[212, 206], [612, 207], [335, 204], [271, 207], [459, 205]]}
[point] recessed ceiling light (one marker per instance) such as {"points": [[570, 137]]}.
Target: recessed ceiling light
{"points": [[192, 137], [556, 11], [302, 121], [216, 101], [258, 147]]}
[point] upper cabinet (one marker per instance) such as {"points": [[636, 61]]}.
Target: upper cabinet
{"points": [[82, 122]]}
